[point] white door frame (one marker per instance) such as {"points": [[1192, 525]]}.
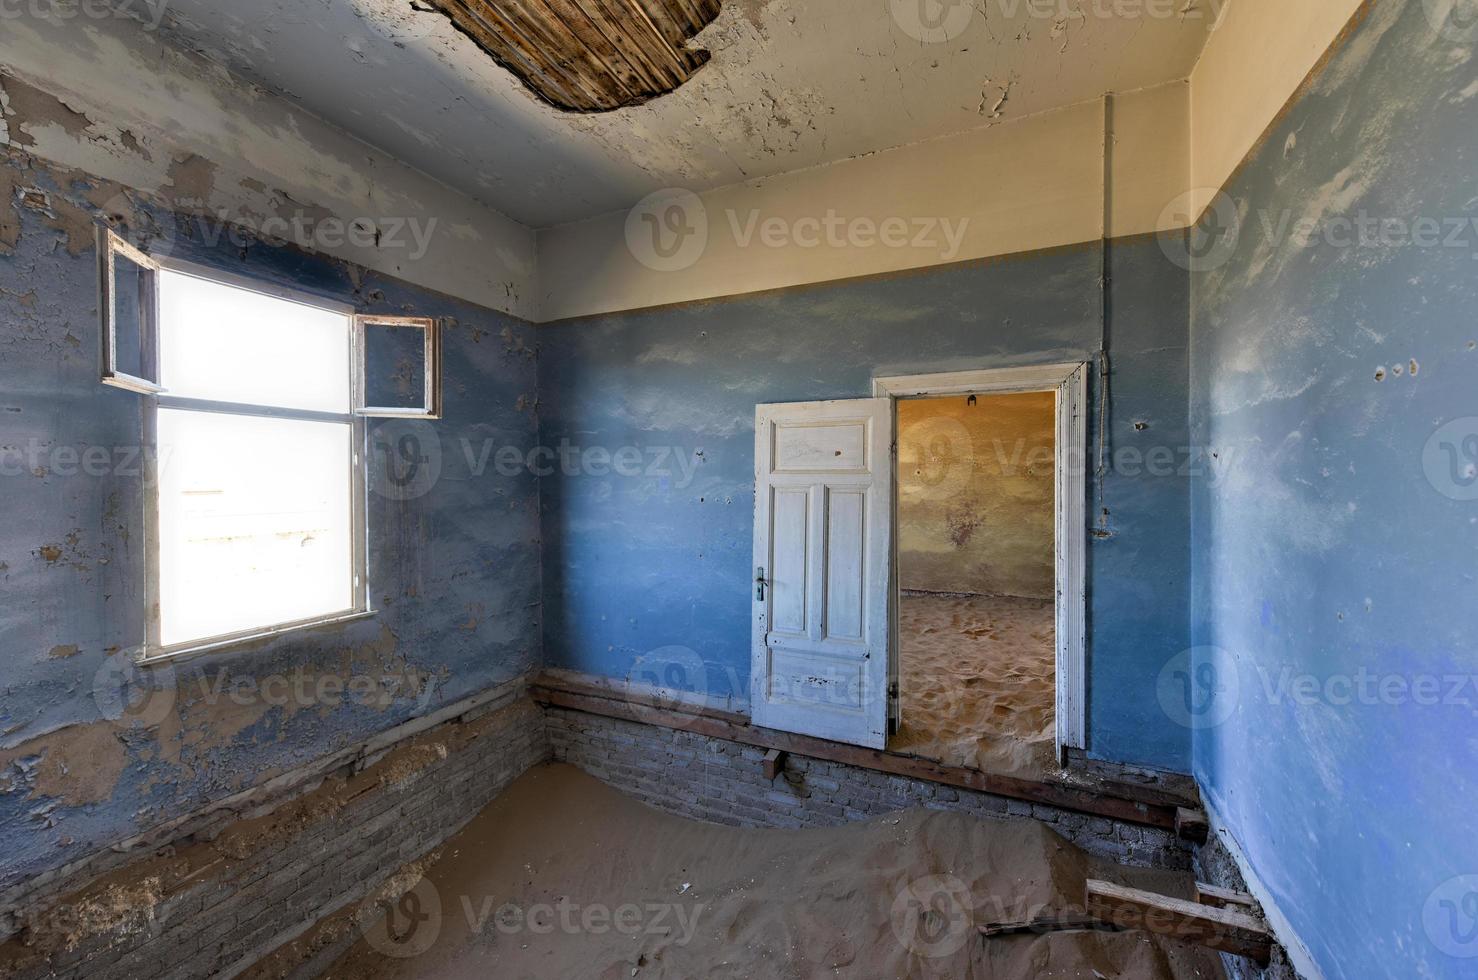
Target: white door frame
{"points": [[1069, 381]]}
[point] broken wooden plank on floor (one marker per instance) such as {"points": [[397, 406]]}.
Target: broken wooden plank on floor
{"points": [[1191, 825], [774, 762], [1225, 898], [1228, 930], [1045, 922]]}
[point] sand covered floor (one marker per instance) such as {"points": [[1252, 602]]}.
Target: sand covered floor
{"points": [[564, 878], [977, 678]]}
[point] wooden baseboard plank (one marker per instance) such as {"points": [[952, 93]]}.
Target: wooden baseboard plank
{"points": [[714, 725]]}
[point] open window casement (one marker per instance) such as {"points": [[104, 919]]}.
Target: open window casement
{"points": [[822, 555], [397, 367], [128, 302]]}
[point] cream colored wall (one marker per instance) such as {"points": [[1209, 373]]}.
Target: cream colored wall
{"points": [[1032, 184], [975, 494], [1255, 59]]}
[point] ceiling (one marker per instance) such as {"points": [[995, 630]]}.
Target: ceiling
{"points": [[791, 84]]}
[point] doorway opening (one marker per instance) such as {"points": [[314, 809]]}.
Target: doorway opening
{"points": [[988, 569], [976, 577]]}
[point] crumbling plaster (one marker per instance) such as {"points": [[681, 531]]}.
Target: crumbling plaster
{"points": [[93, 749], [108, 98], [793, 84]]}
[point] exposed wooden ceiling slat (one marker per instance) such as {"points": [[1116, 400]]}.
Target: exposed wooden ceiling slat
{"points": [[517, 45], [598, 48], [589, 55], [634, 43], [572, 40]]}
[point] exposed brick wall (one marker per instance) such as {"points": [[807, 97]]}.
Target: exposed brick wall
{"points": [[720, 781], [212, 908]]}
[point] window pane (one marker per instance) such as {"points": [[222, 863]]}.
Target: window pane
{"points": [[229, 344], [130, 318], [395, 366], [255, 519]]}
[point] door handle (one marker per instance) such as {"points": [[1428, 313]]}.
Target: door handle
{"points": [[759, 584]]}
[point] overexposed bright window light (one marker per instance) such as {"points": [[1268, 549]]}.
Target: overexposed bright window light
{"points": [[223, 343], [256, 514], [254, 522]]}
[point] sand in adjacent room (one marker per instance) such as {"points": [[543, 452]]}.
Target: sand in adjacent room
{"points": [[723, 903], [978, 682]]}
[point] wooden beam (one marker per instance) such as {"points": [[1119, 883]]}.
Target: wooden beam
{"points": [[735, 728], [1045, 922], [1149, 785], [774, 762], [1191, 825], [1227, 930], [1225, 898]]}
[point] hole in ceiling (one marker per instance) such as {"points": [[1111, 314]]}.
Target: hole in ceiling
{"points": [[589, 55]]}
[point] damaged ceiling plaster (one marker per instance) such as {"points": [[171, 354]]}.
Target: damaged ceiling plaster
{"points": [[589, 55], [791, 84]]}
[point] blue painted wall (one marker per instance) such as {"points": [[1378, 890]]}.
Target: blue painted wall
{"points": [[659, 555], [1335, 572], [453, 557]]}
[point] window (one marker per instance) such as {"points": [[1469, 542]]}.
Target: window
{"points": [[258, 505]]}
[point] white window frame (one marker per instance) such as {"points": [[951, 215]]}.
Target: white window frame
{"points": [[431, 353], [1069, 382], [154, 650], [112, 247]]}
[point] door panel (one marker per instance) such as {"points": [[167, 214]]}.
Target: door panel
{"points": [[789, 560], [810, 447], [846, 537], [823, 511]]}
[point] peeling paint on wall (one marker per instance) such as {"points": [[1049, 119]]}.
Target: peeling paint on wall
{"points": [[92, 749], [109, 100]]}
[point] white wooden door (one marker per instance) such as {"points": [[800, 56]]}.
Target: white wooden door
{"points": [[822, 557]]}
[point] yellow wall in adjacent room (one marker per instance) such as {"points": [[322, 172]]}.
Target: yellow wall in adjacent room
{"points": [[975, 494]]}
